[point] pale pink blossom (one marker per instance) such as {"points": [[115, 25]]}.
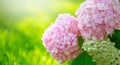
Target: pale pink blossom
{"points": [[98, 18], [60, 39]]}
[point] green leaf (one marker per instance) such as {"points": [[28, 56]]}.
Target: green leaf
{"points": [[80, 41], [83, 59], [116, 38]]}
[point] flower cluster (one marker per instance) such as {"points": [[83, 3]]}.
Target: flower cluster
{"points": [[103, 52], [96, 19], [60, 38]]}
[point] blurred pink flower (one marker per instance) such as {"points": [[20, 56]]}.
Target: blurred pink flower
{"points": [[98, 18], [60, 39]]}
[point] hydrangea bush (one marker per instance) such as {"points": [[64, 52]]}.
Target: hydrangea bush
{"points": [[95, 21]]}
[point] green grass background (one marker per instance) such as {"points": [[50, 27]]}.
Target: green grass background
{"points": [[20, 35]]}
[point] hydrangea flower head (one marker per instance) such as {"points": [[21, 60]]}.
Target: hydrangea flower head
{"points": [[60, 39], [98, 18], [103, 52]]}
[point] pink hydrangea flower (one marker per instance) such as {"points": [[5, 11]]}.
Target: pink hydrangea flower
{"points": [[60, 39], [98, 18]]}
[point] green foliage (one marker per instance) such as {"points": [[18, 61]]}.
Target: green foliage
{"points": [[80, 41], [115, 37], [20, 36], [5, 59], [83, 59]]}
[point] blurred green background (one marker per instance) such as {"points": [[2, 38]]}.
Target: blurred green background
{"points": [[22, 23]]}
